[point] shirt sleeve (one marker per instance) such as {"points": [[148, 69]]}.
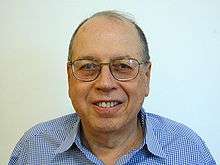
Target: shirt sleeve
{"points": [[206, 156], [18, 155]]}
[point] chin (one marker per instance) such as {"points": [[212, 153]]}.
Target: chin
{"points": [[107, 125]]}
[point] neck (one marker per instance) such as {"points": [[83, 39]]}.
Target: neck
{"points": [[111, 145]]}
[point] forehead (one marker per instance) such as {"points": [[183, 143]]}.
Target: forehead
{"points": [[106, 37]]}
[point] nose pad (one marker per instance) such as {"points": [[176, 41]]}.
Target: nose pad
{"points": [[105, 81]]}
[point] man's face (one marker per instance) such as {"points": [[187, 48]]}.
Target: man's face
{"points": [[104, 39]]}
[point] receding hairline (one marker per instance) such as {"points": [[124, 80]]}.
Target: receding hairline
{"points": [[102, 20], [115, 16]]}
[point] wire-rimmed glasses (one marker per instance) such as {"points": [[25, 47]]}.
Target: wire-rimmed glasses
{"points": [[121, 69]]}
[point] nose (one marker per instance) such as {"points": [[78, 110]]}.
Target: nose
{"points": [[105, 82]]}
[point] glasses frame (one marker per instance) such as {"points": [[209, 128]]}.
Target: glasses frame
{"points": [[71, 63]]}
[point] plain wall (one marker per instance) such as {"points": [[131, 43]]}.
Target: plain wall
{"points": [[184, 41]]}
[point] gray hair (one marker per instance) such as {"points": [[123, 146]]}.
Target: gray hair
{"points": [[119, 16]]}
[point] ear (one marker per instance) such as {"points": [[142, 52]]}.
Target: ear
{"points": [[148, 74], [68, 69], [148, 70]]}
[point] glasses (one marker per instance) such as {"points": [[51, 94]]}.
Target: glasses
{"points": [[121, 69]]}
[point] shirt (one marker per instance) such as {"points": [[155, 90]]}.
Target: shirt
{"points": [[58, 142]]}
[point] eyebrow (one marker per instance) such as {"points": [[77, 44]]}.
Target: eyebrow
{"points": [[86, 58], [121, 57], [89, 57]]}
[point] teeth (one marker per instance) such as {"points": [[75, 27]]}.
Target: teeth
{"points": [[107, 104]]}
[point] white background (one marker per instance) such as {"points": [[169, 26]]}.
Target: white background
{"points": [[184, 41]]}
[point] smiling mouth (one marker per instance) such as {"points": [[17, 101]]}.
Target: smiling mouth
{"points": [[107, 104]]}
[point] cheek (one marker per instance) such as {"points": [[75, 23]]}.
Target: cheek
{"points": [[78, 94], [137, 92]]}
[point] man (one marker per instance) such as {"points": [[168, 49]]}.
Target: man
{"points": [[108, 74]]}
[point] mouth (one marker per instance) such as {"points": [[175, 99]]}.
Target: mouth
{"points": [[107, 108], [107, 104]]}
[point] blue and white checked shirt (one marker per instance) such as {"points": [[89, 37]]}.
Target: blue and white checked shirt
{"points": [[57, 142]]}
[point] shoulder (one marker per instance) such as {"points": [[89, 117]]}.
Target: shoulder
{"points": [[177, 138], [43, 138], [171, 129], [166, 125], [61, 124]]}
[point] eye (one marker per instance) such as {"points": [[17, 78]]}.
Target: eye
{"points": [[121, 66], [124, 66], [88, 66]]}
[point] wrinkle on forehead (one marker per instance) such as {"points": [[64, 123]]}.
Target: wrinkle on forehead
{"points": [[107, 24], [107, 19], [108, 27]]}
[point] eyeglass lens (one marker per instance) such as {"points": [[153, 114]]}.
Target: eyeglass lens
{"points": [[121, 69]]}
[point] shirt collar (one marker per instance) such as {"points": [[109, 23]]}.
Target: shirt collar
{"points": [[150, 140], [70, 138]]}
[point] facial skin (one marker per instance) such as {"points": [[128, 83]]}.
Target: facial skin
{"points": [[105, 39]]}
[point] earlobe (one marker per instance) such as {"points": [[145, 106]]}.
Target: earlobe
{"points": [[68, 72], [148, 70], [147, 91], [68, 77], [148, 73]]}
